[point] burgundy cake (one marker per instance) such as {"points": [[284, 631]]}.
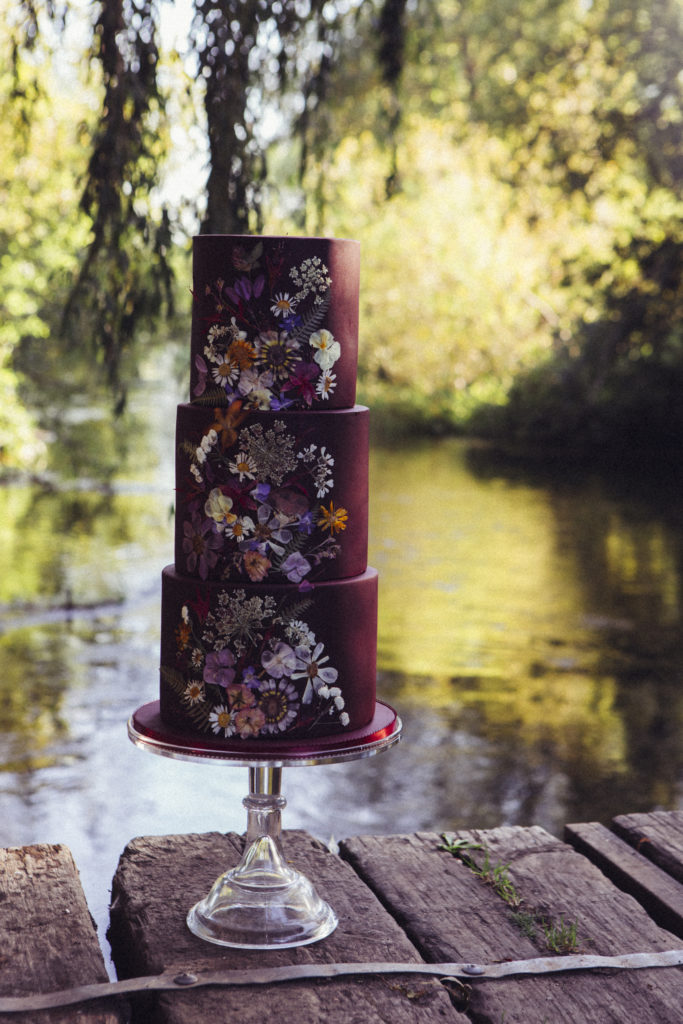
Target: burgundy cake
{"points": [[269, 615]]}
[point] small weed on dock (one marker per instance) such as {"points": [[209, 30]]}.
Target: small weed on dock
{"points": [[561, 937], [527, 923], [558, 936], [495, 875]]}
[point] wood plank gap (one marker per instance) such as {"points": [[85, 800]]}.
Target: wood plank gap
{"points": [[49, 939], [349, 853], [658, 835], [159, 878], [454, 915], [659, 894]]}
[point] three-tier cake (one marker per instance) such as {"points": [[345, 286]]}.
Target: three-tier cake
{"points": [[269, 614]]}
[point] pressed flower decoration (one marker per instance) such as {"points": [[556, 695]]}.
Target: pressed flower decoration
{"points": [[258, 503], [253, 668], [266, 344]]}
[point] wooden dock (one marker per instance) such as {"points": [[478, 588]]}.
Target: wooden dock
{"points": [[474, 899]]}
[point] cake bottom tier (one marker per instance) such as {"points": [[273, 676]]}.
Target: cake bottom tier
{"points": [[255, 661]]}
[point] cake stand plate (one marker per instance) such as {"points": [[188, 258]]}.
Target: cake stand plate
{"points": [[146, 729], [263, 903]]}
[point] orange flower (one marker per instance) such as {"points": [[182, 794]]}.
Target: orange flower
{"points": [[182, 635], [241, 354], [226, 423], [257, 565], [333, 519]]}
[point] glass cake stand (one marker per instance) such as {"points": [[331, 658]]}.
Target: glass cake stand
{"points": [[263, 903]]}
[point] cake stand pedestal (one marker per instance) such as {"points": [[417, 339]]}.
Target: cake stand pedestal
{"points": [[263, 903]]}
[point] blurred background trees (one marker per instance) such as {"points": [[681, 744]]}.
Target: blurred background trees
{"points": [[513, 171]]}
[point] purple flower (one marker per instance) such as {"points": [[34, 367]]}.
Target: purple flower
{"points": [[271, 532], [261, 492], [241, 291], [279, 662], [306, 524], [291, 321], [218, 668], [277, 404], [249, 677], [203, 369], [296, 567], [200, 545], [279, 703]]}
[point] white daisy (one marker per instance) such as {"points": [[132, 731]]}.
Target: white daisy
{"points": [[283, 305], [221, 720], [243, 466], [325, 385]]}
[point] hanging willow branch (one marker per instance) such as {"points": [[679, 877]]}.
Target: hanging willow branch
{"points": [[224, 36], [313, 128], [391, 30], [124, 274], [250, 54]]}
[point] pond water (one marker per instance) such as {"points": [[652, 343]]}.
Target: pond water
{"points": [[530, 636]]}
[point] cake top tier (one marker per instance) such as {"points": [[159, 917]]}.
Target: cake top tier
{"points": [[274, 321]]}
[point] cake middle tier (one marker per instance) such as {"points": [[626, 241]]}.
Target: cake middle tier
{"points": [[267, 497]]}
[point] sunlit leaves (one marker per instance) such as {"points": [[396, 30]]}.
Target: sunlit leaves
{"points": [[531, 152], [539, 161], [40, 235]]}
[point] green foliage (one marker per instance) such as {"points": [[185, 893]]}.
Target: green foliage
{"points": [[458, 846], [125, 275], [253, 57], [513, 172], [526, 922], [40, 235], [524, 280], [617, 382]]}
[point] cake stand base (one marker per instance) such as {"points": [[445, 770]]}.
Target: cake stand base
{"points": [[264, 903]]}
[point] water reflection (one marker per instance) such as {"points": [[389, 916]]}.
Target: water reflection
{"points": [[539, 617], [529, 634]]}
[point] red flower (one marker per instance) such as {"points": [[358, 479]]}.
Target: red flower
{"points": [[303, 380]]}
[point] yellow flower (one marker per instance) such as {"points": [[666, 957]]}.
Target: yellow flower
{"points": [[217, 507], [333, 519]]}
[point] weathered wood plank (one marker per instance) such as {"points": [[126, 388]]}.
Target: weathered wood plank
{"points": [[159, 878], [658, 836], [659, 893], [49, 940], [451, 914]]}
